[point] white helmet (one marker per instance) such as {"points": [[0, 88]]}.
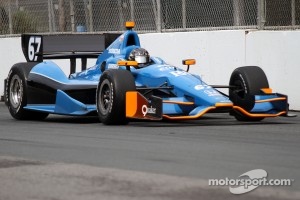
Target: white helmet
{"points": [[140, 55]]}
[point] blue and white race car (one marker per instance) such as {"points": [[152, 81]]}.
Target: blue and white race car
{"points": [[127, 83]]}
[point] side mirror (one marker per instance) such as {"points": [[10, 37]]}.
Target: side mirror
{"points": [[128, 63], [188, 62]]}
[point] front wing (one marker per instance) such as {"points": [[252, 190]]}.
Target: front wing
{"points": [[179, 108]]}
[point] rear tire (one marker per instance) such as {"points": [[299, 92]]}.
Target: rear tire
{"points": [[111, 96], [16, 93], [249, 81]]}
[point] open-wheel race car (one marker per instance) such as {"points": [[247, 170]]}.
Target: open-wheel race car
{"points": [[127, 83]]}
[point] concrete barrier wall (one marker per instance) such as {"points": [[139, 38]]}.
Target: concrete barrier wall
{"points": [[217, 53], [10, 53]]}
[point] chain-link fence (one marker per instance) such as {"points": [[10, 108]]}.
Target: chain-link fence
{"points": [[52, 16]]}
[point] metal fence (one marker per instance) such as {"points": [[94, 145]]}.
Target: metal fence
{"points": [[52, 16]]}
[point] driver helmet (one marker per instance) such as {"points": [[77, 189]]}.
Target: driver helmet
{"points": [[140, 55]]}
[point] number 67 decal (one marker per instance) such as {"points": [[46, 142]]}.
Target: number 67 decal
{"points": [[34, 46]]}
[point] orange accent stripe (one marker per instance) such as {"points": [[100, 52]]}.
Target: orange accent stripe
{"points": [[224, 104], [270, 100], [179, 102], [190, 117], [257, 115]]}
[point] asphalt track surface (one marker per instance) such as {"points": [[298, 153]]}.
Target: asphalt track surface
{"points": [[79, 158]]}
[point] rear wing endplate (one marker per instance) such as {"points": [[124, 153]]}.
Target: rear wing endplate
{"points": [[37, 48]]}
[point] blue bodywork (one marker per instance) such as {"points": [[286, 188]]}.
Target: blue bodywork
{"points": [[190, 94]]}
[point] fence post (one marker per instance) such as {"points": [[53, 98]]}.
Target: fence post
{"points": [[261, 14], [184, 14], [62, 18], [91, 16], [132, 11], [293, 13], [88, 11], [49, 16], [53, 17], [10, 18], [238, 12], [72, 14], [158, 20], [86, 25]]}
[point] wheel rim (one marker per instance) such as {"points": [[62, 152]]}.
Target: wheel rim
{"points": [[105, 97], [240, 91], [16, 91]]}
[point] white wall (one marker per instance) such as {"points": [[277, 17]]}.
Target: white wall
{"points": [[10, 53], [217, 53], [278, 53]]}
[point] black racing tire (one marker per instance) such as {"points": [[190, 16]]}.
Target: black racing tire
{"points": [[248, 82], [16, 93], [111, 96]]}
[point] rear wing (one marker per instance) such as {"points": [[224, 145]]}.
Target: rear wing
{"points": [[37, 48]]}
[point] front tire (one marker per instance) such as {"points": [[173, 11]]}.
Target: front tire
{"points": [[111, 96], [16, 93], [248, 82]]}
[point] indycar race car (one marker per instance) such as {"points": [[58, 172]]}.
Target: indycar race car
{"points": [[127, 83]]}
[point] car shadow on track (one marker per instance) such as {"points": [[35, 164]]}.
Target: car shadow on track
{"points": [[201, 122], [72, 119], [213, 120]]}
